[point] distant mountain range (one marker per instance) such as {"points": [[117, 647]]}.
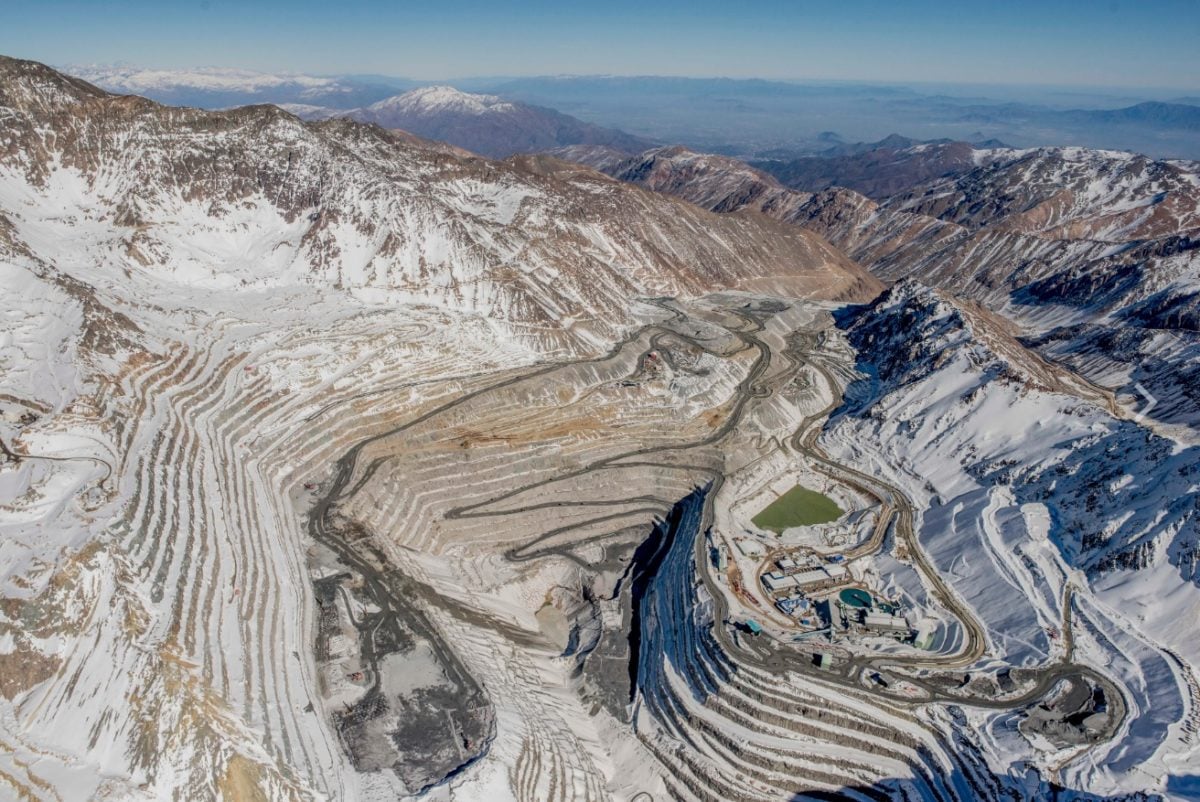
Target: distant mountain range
{"points": [[877, 169], [1150, 115], [481, 123], [220, 87], [1168, 115], [748, 118], [751, 117]]}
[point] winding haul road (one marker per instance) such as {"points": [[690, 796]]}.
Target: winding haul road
{"points": [[899, 514], [388, 590]]}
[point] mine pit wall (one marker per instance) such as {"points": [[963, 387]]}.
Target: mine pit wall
{"points": [[671, 623], [674, 654]]}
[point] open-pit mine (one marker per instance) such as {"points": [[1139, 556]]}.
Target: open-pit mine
{"points": [[580, 534], [338, 464]]}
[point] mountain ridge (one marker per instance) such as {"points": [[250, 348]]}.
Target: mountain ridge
{"points": [[1066, 242], [324, 179]]}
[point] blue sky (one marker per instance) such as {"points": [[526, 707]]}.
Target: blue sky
{"points": [[1104, 43]]}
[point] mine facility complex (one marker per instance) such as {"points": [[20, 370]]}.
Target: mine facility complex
{"points": [[818, 596], [821, 597]]}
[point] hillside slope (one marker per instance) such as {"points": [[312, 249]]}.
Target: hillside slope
{"points": [[1092, 253], [1029, 488]]}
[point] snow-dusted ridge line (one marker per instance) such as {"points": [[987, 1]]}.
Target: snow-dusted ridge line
{"points": [[137, 80]]}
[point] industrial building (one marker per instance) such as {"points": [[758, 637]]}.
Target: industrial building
{"points": [[885, 624], [819, 578], [814, 579], [777, 583]]}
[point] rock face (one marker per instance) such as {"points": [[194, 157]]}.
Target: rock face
{"points": [[1078, 247], [484, 124]]}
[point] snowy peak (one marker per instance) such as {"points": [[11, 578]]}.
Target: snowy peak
{"points": [[442, 100], [486, 124]]}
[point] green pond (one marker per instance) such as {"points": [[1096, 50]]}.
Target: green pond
{"points": [[855, 597], [798, 507]]}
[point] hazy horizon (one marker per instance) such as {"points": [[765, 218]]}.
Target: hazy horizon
{"points": [[1115, 46], [746, 117], [998, 90]]}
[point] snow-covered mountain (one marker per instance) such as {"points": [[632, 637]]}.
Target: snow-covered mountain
{"points": [[222, 87], [484, 124], [1091, 252], [1027, 484], [431, 100], [480, 123], [254, 197], [1119, 495]]}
